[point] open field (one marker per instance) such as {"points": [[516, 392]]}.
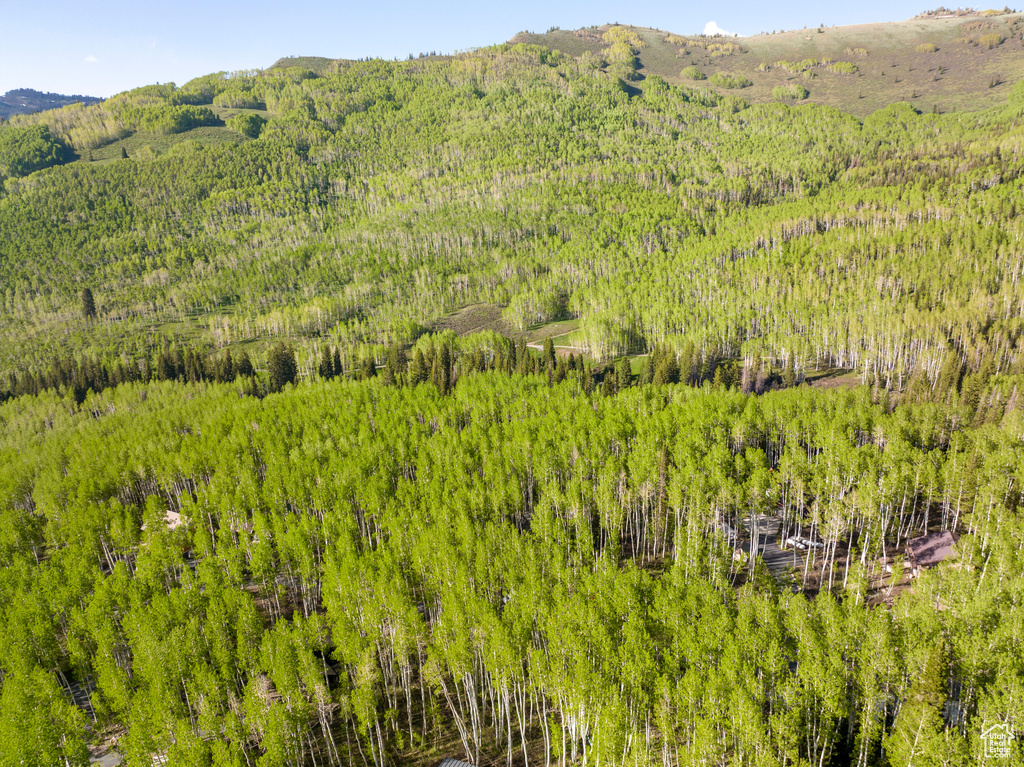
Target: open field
{"points": [[139, 145], [833, 378], [558, 332]]}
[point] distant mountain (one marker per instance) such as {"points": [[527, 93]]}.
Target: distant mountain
{"points": [[23, 101]]}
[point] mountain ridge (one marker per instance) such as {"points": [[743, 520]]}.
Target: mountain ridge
{"points": [[21, 101]]}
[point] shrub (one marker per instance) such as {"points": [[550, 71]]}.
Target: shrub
{"points": [[619, 34], [991, 40], [26, 150], [843, 68], [619, 52], [247, 124], [692, 73], [733, 104], [623, 71], [790, 93], [238, 99], [171, 119], [927, 48], [723, 80]]}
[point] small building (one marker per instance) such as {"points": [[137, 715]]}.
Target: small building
{"points": [[929, 550]]}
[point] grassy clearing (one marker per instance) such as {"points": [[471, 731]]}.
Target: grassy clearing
{"points": [[538, 333], [140, 144], [833, 378]]}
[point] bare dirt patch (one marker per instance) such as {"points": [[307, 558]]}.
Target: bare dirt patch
{"points": [[475, 319]]}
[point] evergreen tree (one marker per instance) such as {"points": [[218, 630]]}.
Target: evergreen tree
{"points": [[226, 369], [623, 374], [88, 304], [549, 355], [245, 368], [789, 374], [668, 370], [418, 371], [444, 369], [326, 368], [281, 366], [368, 369]]}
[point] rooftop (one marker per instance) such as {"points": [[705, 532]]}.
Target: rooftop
{"points": [[931, 549]]}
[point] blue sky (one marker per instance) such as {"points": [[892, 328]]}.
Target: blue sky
{"points": [[101, 47]]}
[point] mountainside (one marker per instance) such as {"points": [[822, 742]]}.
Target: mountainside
{"points": [[23, 101], [363, 204], [523, 406]]}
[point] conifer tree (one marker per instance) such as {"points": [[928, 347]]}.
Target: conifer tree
{"points": [[326, 368], [418, 371], [281, 366], [623, 374], [245, 368], [368, 369], [549, 354], [88, 304]]}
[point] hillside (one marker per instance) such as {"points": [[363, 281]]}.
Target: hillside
{"points": [[23, 101], [893, 61], [522, 406], [362, 206]]}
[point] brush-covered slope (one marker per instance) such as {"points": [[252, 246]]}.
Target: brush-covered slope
{"points": [[935, 62]]}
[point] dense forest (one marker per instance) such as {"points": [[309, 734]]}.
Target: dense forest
{"points": [[514, 570], [260, 505]]}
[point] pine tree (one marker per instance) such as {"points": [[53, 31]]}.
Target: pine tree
{"points": [[418, 371], [549, 354], [444, 369], [244, 368], [561, 369], [88, 304], [326, 367], [396, 363], [668, 370], [282, 366], [368, 369], [686, 362], [623, 375], [789, 374], [226, 370]]}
